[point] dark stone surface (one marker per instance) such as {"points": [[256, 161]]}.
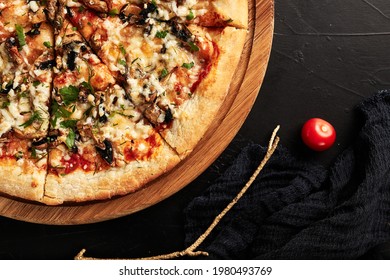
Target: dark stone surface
{"points": [[327, 56]]}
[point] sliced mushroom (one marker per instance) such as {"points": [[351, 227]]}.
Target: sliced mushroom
{"points": [[11, 46], [29, 133], [85, 131], [97, 5], [50, 9], [130, 14]]}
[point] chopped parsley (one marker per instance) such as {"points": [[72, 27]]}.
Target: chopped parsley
{"points": [[190, 16], [88, 86], [122, 62], [122, 49], [33, 153], [70, 139], [69, 94], [188, 65], [20, 34], [193, 47], [68, 123], [58, 111], [47, 44], [161, 34], [5, 104], [164, 73], [113, 12]]}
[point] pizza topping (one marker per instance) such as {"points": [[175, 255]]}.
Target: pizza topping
{"points": [[71, 60], [47, 64], [34, 31], [107, 152], [21, 35], [42, 143], [129, 14], [12, 48], [72, 163], [33, 6], [70, 140], [6, 88], [35, 117], [149, 8], [69, 94], [98, 5], [181, 31]]}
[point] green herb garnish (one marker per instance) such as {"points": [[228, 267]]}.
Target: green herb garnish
{"points": [[70, 139], [188, 65], [161, 34], [20, 34], [122, 49], [58, 111], [164, 73], [47, 44], [122, 62], [69, 94], [36, 116], [193, 47], [69, 123], [5, 104], [33, 153], [113, 12], [191, 15], [88, 86]]}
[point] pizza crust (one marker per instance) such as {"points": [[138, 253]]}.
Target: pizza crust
{"points": [[234, 12], [18, 183], [199, 112], [79, 186]]}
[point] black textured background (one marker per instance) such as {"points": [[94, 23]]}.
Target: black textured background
{"points": [[327, 56]]}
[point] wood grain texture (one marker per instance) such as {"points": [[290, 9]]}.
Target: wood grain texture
{"points": [[242, 94]]}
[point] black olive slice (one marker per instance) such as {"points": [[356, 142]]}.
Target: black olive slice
{"points": [[107, 153]]}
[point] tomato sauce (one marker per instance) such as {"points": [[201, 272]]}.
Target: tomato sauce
{"points": [[206, 70], [75, 162], [131, 152]]}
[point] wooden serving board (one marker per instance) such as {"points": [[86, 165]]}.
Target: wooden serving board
{"points": [[243, 92]]}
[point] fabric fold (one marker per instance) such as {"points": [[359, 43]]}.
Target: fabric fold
{"points": [[297, 210]]}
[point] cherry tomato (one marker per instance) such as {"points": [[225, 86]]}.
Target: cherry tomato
{"points": [[318, 134]]}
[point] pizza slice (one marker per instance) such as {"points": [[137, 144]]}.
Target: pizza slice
{"points": [[100, 144], [210, 13], [176, 74], [26, 60]]}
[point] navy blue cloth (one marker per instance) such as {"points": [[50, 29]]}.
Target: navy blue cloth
{"points": [[296, 210]]}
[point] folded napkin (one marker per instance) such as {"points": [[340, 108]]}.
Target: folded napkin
{"points": [[296, 210]]}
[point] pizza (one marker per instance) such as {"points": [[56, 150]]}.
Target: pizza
{"points": [[100, 97]]}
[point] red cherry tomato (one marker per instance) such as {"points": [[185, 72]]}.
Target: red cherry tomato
{"points": [[318, 134]]}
